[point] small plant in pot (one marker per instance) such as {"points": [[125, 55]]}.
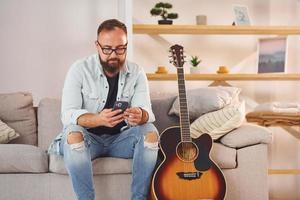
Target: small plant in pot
{"points": [[161, 9], [195, 61]]}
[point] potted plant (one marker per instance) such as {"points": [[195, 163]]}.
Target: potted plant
{"points": [[161, 9], [195, 61]]}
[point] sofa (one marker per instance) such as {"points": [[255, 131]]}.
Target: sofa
{"points": [[28, 172]]}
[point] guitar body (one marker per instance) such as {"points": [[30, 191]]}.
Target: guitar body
{"points": [[187, 172]]}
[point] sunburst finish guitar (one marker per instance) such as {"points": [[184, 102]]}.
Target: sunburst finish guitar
{"points": [[186, 172]]}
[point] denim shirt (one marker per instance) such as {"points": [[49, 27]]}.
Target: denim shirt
{"points": [[86, 89]]}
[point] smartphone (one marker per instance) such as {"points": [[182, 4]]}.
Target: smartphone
{"points": [[123, 105]]}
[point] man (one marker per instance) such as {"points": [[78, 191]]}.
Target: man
{"points": [[93, 129]]}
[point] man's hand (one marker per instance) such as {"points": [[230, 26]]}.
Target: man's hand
{"points": [[106, 117], [110, 118], [133, 115]]}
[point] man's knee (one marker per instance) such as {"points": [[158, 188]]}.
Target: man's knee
{"points": [[151, 140], [75, 140]]}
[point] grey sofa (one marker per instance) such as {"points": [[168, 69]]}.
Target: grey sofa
{"points": [[27, 172]]}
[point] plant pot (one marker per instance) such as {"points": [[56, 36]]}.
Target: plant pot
{"points": [[165, 21], [195, 70]]}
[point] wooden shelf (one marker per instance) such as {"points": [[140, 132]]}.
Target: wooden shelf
{"points": [[215, 29], [283, 171], [227, 77]]}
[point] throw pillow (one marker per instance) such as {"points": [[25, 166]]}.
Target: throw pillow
{"points": [[246, 135], [204, 100], [6, 133], [219, 122]]}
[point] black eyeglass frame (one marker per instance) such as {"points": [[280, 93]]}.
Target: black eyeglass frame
{"points": [[109, 51]]}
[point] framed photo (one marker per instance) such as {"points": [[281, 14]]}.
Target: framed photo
{"points": [[272, 54], [241, 15]]}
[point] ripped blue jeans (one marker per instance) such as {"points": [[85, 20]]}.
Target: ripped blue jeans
{"points": [[128, 144]]}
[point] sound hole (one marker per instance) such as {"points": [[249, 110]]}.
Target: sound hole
{"points": [[187, 151]]}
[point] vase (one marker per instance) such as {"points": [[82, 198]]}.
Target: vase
{"points": [[165, 21], [195, 70]]}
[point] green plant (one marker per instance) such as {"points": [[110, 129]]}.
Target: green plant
{"points": [[161, 9], [195, 61]]}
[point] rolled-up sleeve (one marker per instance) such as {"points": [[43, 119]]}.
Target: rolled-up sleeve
{"points": [[71, 107], [141, 96]]}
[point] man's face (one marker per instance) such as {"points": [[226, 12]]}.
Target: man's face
{"points": [[111, 46]]}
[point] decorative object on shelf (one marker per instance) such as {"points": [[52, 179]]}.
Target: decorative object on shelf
{"points": [[161, 70], [272, 54], [201, 19], [223, 70], [161, 9], [195, 61], [241, 15]]}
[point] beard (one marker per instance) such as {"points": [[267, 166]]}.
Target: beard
{"points": [[113, 65]]}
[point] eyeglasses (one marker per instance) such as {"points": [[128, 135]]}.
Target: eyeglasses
{"points": [[118, 51]]}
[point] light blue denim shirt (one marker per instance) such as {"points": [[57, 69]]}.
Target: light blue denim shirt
{"points": [[86, 89]]}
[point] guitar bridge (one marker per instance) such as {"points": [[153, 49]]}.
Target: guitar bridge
{"points": [[189, 175]]}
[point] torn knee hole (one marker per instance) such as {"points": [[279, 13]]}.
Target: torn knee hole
{"points": [[151, 140], [74, 137], [76, 141], [151, 137]]}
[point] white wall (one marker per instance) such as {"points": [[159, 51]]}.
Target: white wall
{"points": [[39, 40]]}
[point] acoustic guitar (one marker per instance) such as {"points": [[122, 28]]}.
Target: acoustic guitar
{"points": [[187, 171]]}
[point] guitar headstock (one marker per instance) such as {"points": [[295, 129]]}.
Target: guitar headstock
{"points": [[177, 57]]}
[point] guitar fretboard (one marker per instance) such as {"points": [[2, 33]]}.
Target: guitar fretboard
{"points": [[184, 114]]}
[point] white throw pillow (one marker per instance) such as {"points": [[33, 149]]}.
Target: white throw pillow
{"points": [[219, 122], [6, 133], [205, 100]]}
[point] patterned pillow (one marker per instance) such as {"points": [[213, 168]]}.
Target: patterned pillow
{"points": [[219, 122], [205, 100], [6, 133]]}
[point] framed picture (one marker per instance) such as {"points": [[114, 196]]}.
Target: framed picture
{"points": [[272, 54], [241, 15]]}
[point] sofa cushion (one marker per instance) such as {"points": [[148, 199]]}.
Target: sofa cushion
{"points": [[224, 156], [17, 112], [20, 158], [204, 100], [247, 135], [7, 133], [49, 121], [105, 165], [219, 122]]}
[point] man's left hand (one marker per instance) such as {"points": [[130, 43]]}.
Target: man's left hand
{"points": [[133, 115]]}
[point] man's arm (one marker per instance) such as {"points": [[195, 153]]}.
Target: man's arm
{"points": [[141, 101], [106, 117], [72, 112]]}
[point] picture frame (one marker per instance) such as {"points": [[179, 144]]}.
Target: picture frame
{"points": [[272, 55], [241, 15]]}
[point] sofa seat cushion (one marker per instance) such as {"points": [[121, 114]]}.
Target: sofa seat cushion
{"points": [[22, 158], [105, 165], [224, 156]]}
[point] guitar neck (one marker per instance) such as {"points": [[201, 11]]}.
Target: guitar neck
{"points": [[184, 114]]}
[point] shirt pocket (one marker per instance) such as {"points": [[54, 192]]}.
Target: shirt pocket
{"points": [[90, 100]]}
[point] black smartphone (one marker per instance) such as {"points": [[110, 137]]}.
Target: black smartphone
{"points": [[123, 105]]}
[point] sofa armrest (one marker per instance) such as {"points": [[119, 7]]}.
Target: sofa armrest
{"points": [[247, 135]]}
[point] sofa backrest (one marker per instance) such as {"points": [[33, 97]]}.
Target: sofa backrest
{"points": [[16, 110], [49, 123]]}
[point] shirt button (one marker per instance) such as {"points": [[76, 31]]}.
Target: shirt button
{"points": [[118, 98], [103, 101], [106, 87], [121, 83]]}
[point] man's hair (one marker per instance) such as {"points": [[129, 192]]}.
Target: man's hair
{"points": [[111, 24]]}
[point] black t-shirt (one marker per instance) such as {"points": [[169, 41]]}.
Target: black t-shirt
{"points": [[111, 98]]}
